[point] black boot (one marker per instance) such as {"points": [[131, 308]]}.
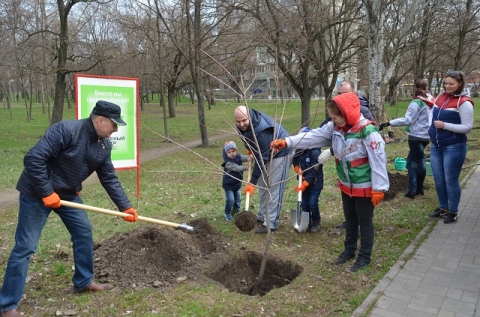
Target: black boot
{"points": [[439, 213], [315, 226], [410, 195]]}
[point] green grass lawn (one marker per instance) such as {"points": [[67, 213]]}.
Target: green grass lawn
{"points": [[183, 186]]}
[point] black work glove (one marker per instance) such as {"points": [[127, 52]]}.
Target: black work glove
{"points": [[383, 125]]}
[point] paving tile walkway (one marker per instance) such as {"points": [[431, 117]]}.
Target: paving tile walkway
{"points": [[442, 278]]}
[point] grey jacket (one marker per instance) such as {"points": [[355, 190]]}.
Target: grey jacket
{"points": [[415, 120]]}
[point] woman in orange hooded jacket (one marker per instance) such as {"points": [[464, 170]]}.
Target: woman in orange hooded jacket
{"points": [[361, 166]]}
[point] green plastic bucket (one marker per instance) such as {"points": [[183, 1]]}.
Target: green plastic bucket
{"points": [[428, 167], [400, 164]]}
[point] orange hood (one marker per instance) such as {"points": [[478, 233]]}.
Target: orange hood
{"points": [[349, 106]]}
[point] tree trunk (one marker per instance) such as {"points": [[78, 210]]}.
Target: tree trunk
{"points": [[191, 94], [171, 102], [8, 96], [60, 84], [391, 96], [160, 81], [69, 104], [306, 108], [461, 36], [195, 64], [420, 62]]}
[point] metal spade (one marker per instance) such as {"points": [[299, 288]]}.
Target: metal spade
{"points": [[300, 219]]}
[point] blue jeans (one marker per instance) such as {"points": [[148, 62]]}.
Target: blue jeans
{"points": [[233, 198], [416, 165], [358, 211], [32, 217], [310, 199], [447, 164]]}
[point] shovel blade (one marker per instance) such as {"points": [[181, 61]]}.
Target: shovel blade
{"points": [[300, 220], [293, 217], [304, 221]]}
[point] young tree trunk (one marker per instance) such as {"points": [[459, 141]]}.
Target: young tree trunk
{"points": [[171, 102], [195, 25], [7, 97], [191, 94]]}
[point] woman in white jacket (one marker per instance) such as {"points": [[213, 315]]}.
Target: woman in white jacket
{"points": [[416, 122]]}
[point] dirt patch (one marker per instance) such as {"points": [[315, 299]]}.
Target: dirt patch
{"points": [[398, 185], [8, 198], [154, 256]]}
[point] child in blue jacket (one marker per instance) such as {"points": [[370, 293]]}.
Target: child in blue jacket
{"points": [[232, 178], [312, 184]]}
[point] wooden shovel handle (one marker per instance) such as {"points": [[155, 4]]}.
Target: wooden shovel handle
{"points": [[122, 214], [247, 201], [249, 172], [300, 181]]}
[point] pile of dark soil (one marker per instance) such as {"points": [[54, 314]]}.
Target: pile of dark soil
{"points": [[156, 256], [398, 185]]}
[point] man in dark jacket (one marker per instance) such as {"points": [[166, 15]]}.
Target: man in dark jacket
{"points": [[257, 131], [348, 86], [55, 168]]}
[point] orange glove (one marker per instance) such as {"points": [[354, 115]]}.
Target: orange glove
{"points": [[377, 197], [133, 213], [297, 169], [301, 188], [52, 201], [278, 144], [249, 189], [249, 152]]}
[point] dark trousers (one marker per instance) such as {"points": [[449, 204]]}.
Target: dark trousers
{"points": [[358, 211], [310, 199], [416, 165]]}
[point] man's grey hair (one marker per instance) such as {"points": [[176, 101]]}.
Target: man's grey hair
{"points": [[350, 83]]}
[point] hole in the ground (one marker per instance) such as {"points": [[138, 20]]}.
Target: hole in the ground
{"points": [[239, 274]]}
